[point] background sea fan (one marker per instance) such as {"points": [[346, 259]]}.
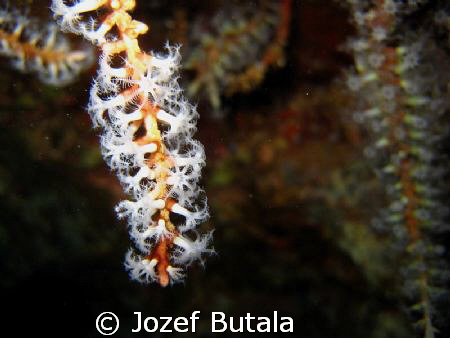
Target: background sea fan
{"points": [[37, 47], [403, 102], [232, 51]]}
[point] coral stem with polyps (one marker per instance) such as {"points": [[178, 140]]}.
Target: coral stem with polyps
{"points": [[147, 139], [37, 47]]}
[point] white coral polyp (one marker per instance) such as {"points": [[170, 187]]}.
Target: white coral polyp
{"points": [[188, 251], [142, 270], [69, 18]]}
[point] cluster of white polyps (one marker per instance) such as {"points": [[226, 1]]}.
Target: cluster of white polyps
{"points": [[152, 184], [148, 127], [40, 49]]}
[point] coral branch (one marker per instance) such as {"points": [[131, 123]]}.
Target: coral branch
{"points": [[40, 49], [147, 140], [242, 47], [402, 101]]}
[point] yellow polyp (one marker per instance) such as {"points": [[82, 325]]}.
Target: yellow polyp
{"points": [[152, 128], [401, 50], [165, 215], [115, 4], [126, 5], [370, 77], [399, 69], [136, 28], [416, 101], [389, 169]]}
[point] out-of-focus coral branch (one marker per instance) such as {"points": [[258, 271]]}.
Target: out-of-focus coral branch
{"points": [[240, 49], [41, 49], [403, 103]]}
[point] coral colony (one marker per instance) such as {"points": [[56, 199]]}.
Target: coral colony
{"points": [[40, 49], [147, 139], [403, 103], [237, 48]]}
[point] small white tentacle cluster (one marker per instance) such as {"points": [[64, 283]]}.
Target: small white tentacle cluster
{"points": [[148, 127]]}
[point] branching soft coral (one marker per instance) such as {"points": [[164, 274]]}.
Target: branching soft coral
{"points": [[147, 140]]}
